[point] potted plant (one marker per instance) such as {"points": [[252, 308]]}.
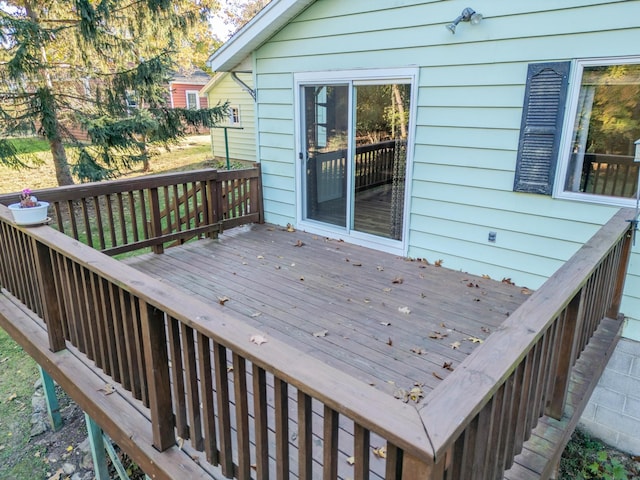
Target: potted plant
{"points": [[29, 211]]}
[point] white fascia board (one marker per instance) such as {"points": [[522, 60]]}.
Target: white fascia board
{"points": [[261, 28]]}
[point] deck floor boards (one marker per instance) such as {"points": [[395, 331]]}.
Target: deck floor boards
{"points": [[291, 292]]}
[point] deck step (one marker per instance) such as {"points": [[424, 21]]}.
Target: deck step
{"points": [[541, 453]]}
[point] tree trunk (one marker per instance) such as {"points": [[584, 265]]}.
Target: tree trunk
{"points": [[63, 173]]}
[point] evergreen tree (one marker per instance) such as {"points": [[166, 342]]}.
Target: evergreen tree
{"points": [[103, 65]]}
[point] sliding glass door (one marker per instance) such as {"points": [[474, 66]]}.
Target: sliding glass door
{"points": [[354, 155]]}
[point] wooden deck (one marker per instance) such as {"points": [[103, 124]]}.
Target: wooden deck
{"points": [[179, 336], [342, 303]]}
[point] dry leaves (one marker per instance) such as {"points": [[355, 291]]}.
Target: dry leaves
{"points": [[455, 345], [414, 394], [398, 280], [108, 389], [380, 268], [507, 281], [437, 376], [437, 335], [351, 460], [290, 228], [257, 339], [447, 366], [385, 324], [256, 314], [486, 277], [404, 310], [474, 339], [380, 452], [390, 342], [321, 333], [438, 263], [223, 300], [299, 243], [526, 291], [418, 350]]}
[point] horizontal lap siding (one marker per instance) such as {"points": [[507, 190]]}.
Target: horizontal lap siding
{"points": [[470, 97], [242, 143]]}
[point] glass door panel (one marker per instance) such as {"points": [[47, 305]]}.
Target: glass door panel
{"points": [[379, 164], [326, 126]]}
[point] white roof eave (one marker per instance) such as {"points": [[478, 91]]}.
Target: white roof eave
{"points": [[261, 28]]}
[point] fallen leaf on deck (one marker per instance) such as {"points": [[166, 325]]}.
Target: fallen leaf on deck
{"points": [[380, 452], [257, 339], [108, 389], [474, 340], [277, 267], [260, 257], [356, 264], [404, 310], [380, 268], [526, 291], [245, 263], [385, 324], [455, 345], [290, 228], [386, 290], [351, 460], [486, 277], [437, 376], [437, 335], [299, 243], [367, 300], [416, 394], [390, 342], [401, 394], [447, 366], [418, 350], [485, 329], [229, 368], [438, 263], [223, 300], [302, 279], [471, 285], [321, 333], [257, 314], [507, 281], [253, 466], [398, 280]]}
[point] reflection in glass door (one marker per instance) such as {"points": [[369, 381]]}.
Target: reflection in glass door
{"points": [[354, 154], [326, 127], [379, 164]]}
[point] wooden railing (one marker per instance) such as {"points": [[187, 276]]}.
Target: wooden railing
{"points": [[265, 410], [522, 370], [154, 211], [255, 410]]}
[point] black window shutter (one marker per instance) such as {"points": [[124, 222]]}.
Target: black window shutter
{"points": [[542, 117]]}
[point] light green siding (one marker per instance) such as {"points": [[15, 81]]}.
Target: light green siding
{"points": [[242, 143], [471, 88]]}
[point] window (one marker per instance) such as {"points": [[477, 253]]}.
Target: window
{"points": [[193, 101], [605, 124], [234, 115]]}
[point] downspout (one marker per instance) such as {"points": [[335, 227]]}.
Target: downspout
{"points": [[243, 85]]}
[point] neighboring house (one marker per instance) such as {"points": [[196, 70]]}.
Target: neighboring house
{"points": [[184, 91], [471, 181], [240, 140]]}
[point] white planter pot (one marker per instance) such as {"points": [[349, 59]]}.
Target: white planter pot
{"points": [[30, 215]]}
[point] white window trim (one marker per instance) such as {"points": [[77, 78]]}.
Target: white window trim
{"points": [[358, 77], [230, 116], [186, 98], [575, 81]]}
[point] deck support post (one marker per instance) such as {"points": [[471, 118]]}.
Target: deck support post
{"points": [[97, 449], [417, 469], [572, 324], [47, 287], [156, 223], [621, 275], [53, 407], [157, 366]]}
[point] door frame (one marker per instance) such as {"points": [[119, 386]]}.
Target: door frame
{"points": [[371, 76]]}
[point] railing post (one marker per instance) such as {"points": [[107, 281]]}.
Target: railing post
{"points": [[574, 315], [416, 469], [157, 370], [259, 202], [621, 274], [156, 221], [48, 296]]}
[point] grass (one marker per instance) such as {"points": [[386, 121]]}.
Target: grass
{"points": [[18, 459], [193, 153]]}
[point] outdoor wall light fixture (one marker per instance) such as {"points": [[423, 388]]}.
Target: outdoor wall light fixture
{"points": [[467, 15]]}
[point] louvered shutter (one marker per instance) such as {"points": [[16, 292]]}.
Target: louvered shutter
{"points": [[542, 118]]}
